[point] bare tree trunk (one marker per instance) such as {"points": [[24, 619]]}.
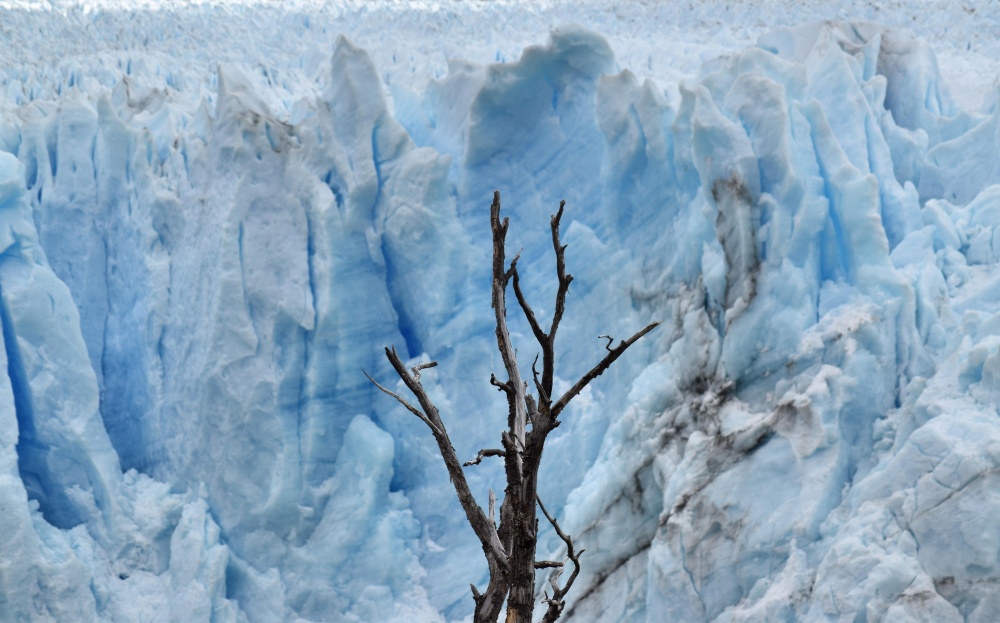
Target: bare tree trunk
{"points": [[521, 601], [510, 548]]}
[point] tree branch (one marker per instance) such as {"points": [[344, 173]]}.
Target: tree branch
{"points": [[504, 387], [423, 366], [513, 265], [564, 279], [557, 603], [496, 555], [482, 454], [529, 314], [515, 395], [547, 564], [403, 402], [547, 340], [510, 544], [563, 289], [599, 369], [543, 396]]}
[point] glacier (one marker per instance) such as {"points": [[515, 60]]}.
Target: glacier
{"points": [[214, 217]]}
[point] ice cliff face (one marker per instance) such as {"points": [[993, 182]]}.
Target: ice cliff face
{"points": [[196, 266]]}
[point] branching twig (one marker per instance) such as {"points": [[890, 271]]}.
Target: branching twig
{"points": [[564, 279], [517, 418], [483, 527], [504, 387], [556, 602], [423, 366], [482, 454], [513, 264], [403, 402], [529, 314], [510, 546], [543, 396], [610, 340], [547, 340], [599, 369], [547, 564], [488, 605]]}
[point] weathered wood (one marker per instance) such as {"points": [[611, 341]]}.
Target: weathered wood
{"points": [[510, 547], [482, 526], [557, 603], [482, 454], [599, 369], [515, 395]]}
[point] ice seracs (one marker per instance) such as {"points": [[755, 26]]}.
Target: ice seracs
{"points": [[197, 262]]}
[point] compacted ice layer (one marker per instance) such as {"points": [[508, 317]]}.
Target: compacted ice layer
{"points": [[196, 269]]}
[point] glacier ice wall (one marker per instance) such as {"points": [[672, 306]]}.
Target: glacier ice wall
{"points": [[198, 262]]}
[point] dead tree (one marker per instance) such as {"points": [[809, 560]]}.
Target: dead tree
{"points": [[510, 546]]}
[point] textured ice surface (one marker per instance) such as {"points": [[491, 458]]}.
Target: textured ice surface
{"points": [[212, 219]]}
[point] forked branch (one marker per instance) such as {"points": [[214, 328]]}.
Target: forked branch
{"points": [[557, 602], [564, 279], [598, 370], [529, 314], [415, 411], [517, 417], [547, 341], [483, 527], [510, 548]]}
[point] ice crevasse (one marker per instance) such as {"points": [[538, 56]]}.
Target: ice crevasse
{"points": [[194, 273]]}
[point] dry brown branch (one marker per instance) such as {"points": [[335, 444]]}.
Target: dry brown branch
{"points": [[510, 547], [599, 369], [482, 454], [517, 418], [483, 528], [423, 366], [529, 314], [556, 603], [403, 402], [564, 279]]}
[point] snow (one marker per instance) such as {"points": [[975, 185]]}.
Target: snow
{"points": [[214, 216]]}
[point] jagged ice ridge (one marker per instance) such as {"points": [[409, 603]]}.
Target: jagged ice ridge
{"points": [[196, 266]]}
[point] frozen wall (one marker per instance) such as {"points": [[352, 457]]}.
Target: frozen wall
{"points": [[198, 262]]}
